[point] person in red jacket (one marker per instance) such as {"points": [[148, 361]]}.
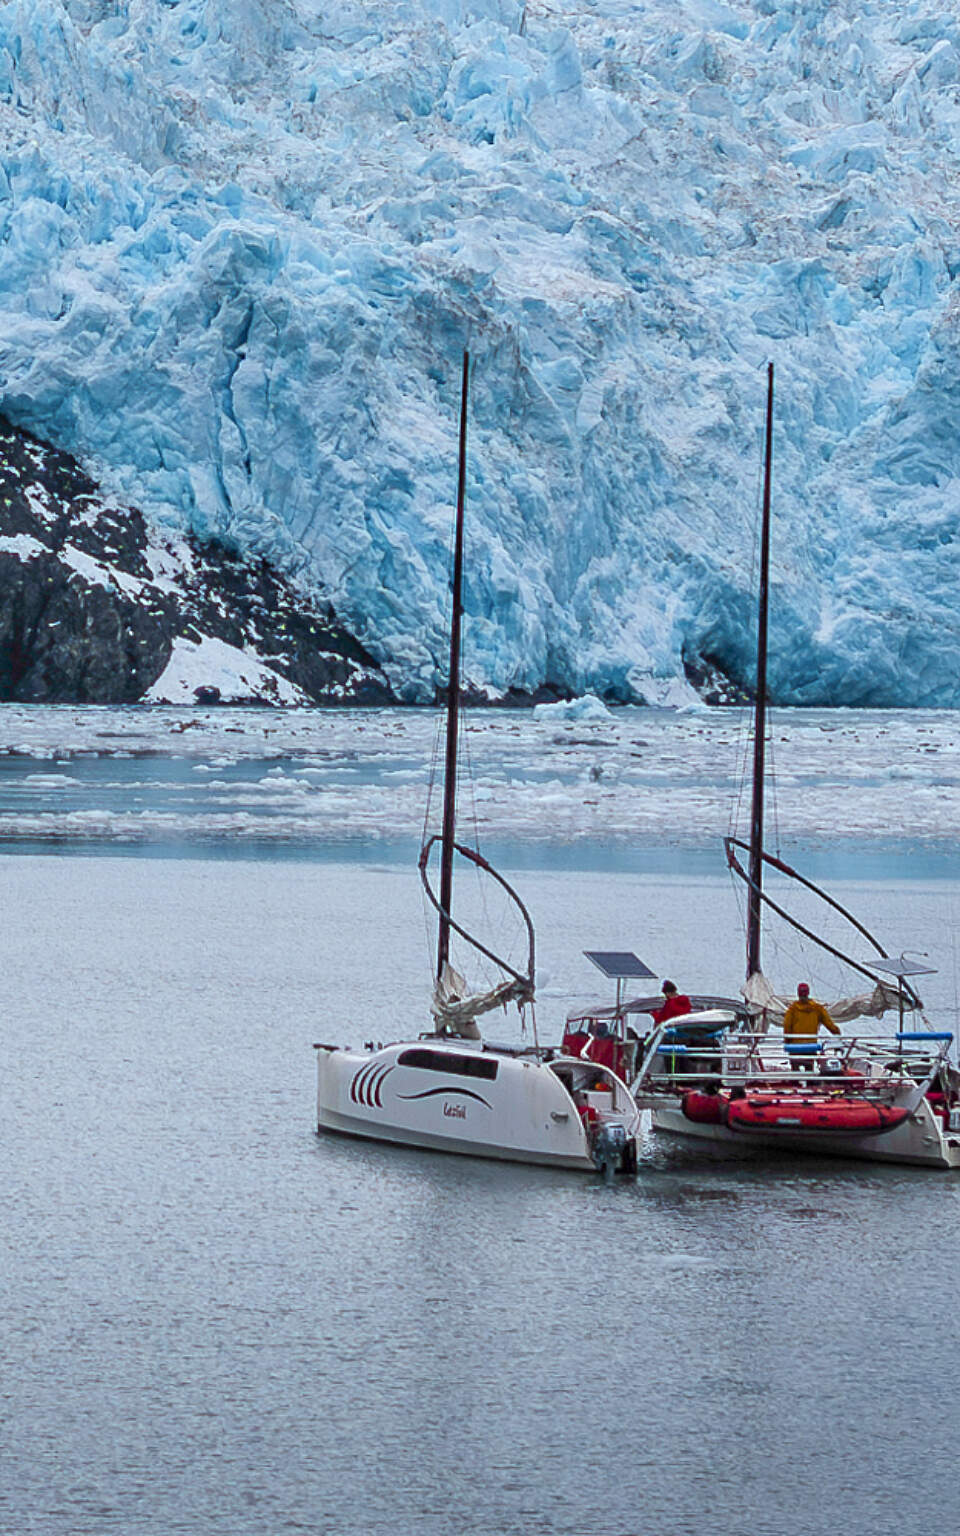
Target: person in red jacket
{"points": [[674, 1004]]}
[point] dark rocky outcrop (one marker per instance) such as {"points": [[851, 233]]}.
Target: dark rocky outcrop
{"points": [[714, 683], [93, 601]]}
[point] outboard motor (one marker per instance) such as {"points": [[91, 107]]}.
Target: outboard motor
{"points": [[609, 1148]]}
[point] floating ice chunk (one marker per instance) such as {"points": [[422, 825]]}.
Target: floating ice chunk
{"points": [[589, 707]]}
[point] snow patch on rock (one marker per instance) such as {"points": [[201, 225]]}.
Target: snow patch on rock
{"points": [[209, 666]]}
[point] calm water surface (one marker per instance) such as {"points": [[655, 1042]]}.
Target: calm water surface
{"points": [[216, 1324]]}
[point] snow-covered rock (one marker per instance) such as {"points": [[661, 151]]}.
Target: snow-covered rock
{"points": [[197, 667], [244, 242]]}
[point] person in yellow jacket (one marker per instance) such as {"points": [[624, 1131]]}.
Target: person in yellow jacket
{"points": [[802, 1021]]}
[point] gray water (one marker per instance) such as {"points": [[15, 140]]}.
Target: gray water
{"points": [[216, 1324]]}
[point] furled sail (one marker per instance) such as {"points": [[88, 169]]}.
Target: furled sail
{"points": [[455, 1009], [762, 999]]}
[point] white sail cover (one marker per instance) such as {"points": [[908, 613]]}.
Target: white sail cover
{"points": [[867, 1005], [456, 1010]]}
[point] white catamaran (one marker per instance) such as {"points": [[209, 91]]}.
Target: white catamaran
{"points": [[718, 1072], [447, 1089]]}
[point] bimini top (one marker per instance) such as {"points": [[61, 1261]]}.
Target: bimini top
{"points": [[699, 1003]]}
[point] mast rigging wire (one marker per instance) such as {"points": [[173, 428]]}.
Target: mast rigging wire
{"points": [[776, 863], [482, 863]]}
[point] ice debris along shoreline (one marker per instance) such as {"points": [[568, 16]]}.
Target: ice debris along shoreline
{"points": [[632, 780], [244, 243]]}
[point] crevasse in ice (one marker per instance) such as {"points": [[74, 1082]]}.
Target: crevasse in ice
{"points": [[245, 241]]}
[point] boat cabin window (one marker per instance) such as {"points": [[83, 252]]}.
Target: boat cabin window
{"points": [[446, 1061], [585, 1078]]}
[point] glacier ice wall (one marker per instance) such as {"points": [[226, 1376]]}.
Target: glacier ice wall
{"points": [[245, 241]]}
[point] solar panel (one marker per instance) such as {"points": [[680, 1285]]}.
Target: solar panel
{"points": [[618, 963], [901, 967]]}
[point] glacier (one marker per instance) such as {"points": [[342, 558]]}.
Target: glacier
{"points": [[245, 242]]}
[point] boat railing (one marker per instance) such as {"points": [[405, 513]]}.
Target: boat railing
{"points": [[878, 1061], [905, 1042]]}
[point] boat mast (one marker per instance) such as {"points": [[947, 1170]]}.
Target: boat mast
{"points": [[760, 716], [453, 697]]}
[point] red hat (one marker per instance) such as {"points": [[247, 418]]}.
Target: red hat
{"points": [[803, 990]]}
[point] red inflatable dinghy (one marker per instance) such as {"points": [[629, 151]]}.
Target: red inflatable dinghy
{"points": [[834, 1114], [704, 1108]]}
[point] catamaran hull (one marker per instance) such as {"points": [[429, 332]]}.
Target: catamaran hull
{"points": [[919, 1141], [446, 1097], [346, 1125]]}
